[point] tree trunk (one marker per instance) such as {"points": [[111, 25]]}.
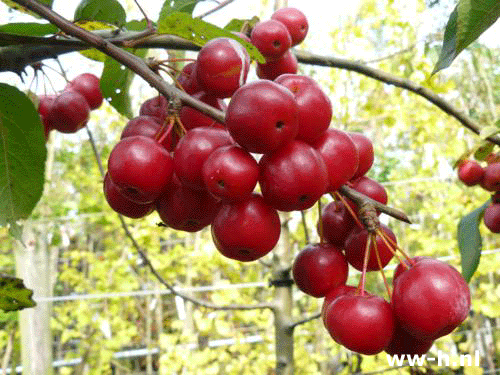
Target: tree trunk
{"points": [[33, 264]]}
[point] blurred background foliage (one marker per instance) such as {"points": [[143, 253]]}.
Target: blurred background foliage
{"points": [[111, 304]]}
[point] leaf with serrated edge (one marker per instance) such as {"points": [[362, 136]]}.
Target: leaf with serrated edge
{"points": [[469, 240], [14, 295], [200, 32], [110, 11], [467, 22], [22, 155], [185, 6], [29, 28]]}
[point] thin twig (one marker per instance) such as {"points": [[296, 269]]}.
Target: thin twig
{"points": [[445, 106], [215, 9], [305, 320], [306, 229], [359, 198], [153, 270]]}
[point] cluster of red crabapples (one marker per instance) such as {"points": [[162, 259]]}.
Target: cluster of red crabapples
{"points": [[471, 173], [69, 110], [276, 152]]}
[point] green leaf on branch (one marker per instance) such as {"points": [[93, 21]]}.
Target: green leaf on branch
{"points": [[93, 53], [184, 6], [200, 32], [115, 83], [469, 240], [20, 8], [14, 295], [22, 155], [467, 22], [237, 24], [29, 28], [483, 150], [109, 11]]}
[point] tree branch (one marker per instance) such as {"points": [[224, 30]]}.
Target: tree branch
{"points": [[445, 106], [359, 198], [305, 320], [147, 262], [216, 8], [129, 60]]}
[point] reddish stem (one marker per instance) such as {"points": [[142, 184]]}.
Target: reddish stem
{"points": [[389, 293], [336, 195], [362, 281]]}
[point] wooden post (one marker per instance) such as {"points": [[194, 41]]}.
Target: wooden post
{"points": [[33, 265]]}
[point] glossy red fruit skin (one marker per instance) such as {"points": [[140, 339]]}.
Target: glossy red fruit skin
{"points": [[45, 103], [402, 343], [192, 118], [491, 217], [470, 172], [230, 173], [286, 64], [370, 188], [70, 112], [315, 108], [364, 324], [337, 223], [293, 178], [193, 150], [340, 155], [87, 84], [295, 21], [123, 205], [187, 79], [365, 153], [430, 299], [155, 107], [271, 38], [262, 116], [149, 126], [140, 168], [332, 296], [222, 67], [319, 268], [491, 178], [402, 268], [355, 247], [246, 230], [185, 209]]}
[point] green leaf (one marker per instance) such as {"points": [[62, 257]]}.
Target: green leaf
{"points": [[29, 28], [469, 240], [14, 295], [115, 84], [22, 155], [237, 24], [483, 150], [184, 6], [20, 8], [109, 11], [467, 22], [200, 32], [93, 53]]}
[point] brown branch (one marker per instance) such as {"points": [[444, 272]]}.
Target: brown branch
{"points": [[129, 60], [153, 270], [305, 320], [359, 199], [445, 106], [216, 8]]}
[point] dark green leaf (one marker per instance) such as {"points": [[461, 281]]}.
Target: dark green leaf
{"points": [[467, 22], [20, 8], [184, 6], [29, 28], [115, 84], [136, 25], [469, 241], [200, 32], [236, 24], [483, 150], [14, 295], [109, 11], [22, 155]]}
